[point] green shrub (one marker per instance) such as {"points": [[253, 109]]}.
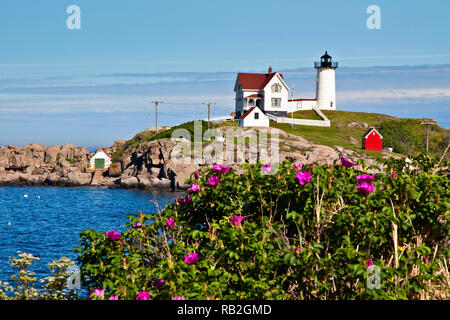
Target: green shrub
{"points": [[298, 238], [408, 136]]}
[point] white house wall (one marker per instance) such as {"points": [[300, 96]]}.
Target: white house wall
{"points": [[301, 105], [268, 95], [250, 121]]}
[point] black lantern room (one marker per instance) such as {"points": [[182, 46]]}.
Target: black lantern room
{"points": [[326, 62]]}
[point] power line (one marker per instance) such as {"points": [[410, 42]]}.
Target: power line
{"points": [[209, 104]]}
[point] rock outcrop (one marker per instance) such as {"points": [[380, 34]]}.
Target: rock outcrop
{"points": [[161, 164], [36, 164]]}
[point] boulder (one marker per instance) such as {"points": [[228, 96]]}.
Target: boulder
{"points": [[129, 182], [115, 169], [79, 179], [144, 181], [51, 154], [161, 183]]}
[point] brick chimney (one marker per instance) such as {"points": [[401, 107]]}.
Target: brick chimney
{"points": [[270, 69]]}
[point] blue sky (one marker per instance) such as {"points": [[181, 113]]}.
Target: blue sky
{"points": [[94, 85]]}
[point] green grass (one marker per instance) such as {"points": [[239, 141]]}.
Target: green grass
{"points": [[305, 114], [339, 133], [406, 136]]}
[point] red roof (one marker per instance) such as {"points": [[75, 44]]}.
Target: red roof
{"points": [[254, 96], [370, 131], [256, 81], [106, 153], [247, 113]]}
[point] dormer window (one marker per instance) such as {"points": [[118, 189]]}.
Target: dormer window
{"points": [[276, 87]]}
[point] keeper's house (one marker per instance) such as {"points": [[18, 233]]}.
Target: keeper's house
{"points": [[270, 93]]}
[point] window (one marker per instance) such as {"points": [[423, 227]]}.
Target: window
{"points": [[276, 102], [331, 104], [276, 87], [256, 115]]}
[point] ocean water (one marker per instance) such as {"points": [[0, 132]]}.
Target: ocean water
{"points": [[47, 221]]}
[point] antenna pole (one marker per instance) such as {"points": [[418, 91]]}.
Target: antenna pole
{"points": [[156, 112], [209, 104]]}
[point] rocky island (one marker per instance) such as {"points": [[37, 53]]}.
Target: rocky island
{"points": [[147, 165]]}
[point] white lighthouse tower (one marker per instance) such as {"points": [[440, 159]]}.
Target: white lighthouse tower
{"points": [[326, 84]]}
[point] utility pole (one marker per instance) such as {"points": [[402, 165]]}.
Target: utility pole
{"points": [[209, 104], [427, 122], [156, 112]]}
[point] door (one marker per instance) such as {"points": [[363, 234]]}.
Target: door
{"points": [[99, 163]]}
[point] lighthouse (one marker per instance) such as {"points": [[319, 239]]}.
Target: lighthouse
{"points": [[326, 84]]}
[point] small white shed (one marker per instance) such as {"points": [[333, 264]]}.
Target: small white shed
{"points": [[100, 160], [254, 117]]}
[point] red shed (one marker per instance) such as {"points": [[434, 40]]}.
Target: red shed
{"points": [[372, 140]]}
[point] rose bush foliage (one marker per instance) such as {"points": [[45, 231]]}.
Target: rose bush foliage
{"points": [[299, 232]]}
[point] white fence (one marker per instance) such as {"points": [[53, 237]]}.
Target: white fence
{"points": [[303, 122], [224, 118]]}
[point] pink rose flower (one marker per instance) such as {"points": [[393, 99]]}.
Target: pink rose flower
{"points": [[347, 163], [97, 292], [185, 200], [298, 167], [137, 225], [365, 188], [179, 298], [191, 258], [143, 295], [394, 175], [213, 181], [266, 168], [196, 174], [303, 177], [220, 168], [170, 223], [297, 251], [369, 264], [194, 187], [159, 283], [365, 178], [113, 298], [113, 235], [236, 220]]}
